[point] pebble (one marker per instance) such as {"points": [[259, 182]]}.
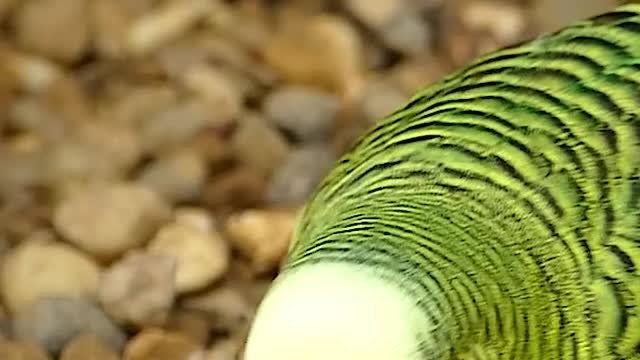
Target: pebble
{"points": [[202, 256], [380, 99], [191, 323], [33, 73], [306, 113], [261, 235], [228, 309], [108, 220], [300, 174], [94, 151], [375, 13], [215, 88], [54, 321], [50, 269], [258, 145], [195, 217], [57, 29], [111, 21], [120, 294], [227, 349], [156, 344], [398, 23], [173, 128], [164, 23], [407, 33], [236, 188], [5, 7], [550, 15], [22, 350], [178, 176], [505, 21], [88, 346], [321, 51]]}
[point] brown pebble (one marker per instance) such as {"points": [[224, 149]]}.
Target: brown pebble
{"points": [[191, 323], [262, 235], [322, 50], [21, 350], [120, 286], [156, 344], [87, 347]]}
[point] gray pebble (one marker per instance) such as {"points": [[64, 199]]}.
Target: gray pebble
{"points": [[308, 114], [381, 99], [302, 171], [52, 322], [407, 33]]}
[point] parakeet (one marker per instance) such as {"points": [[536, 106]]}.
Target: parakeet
{"points": [[496, 215]]}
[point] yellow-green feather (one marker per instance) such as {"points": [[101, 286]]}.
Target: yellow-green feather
{"points": [[505, 199]]}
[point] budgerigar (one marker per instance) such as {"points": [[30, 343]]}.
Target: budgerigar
{"points": [[495, 216]]}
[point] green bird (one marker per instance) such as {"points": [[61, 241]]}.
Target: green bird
{"points": [[494, 216]]}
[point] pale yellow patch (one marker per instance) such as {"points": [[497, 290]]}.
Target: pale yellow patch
{"points": [[334, 312]]}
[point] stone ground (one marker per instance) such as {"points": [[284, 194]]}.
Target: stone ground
{"points": [[154, 153]]}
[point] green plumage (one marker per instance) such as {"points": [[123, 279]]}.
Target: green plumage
{"points": [[505, 199]]}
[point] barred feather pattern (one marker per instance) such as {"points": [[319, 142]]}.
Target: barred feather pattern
{"points": [[505, 199]]}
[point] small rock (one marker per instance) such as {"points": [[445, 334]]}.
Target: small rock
{"points": [[258, 145], [178, 176], [49, 269], [237, 188], [135, 106], [95, 151], [164, 24], [380, 99], [407, 33], [53, 322], [227, 349], [120, 289], [202, 256], [30, 114], [301, 172], [106, 221], [5, 8], [88, 346], [176, 126], [375, 13], [504, 20], [215, 88], [111, 21], [195, 217], [155, 344], [33, 74], [227, 308], [191, 323], [58, 29], [21, 350], [550, 15], [262, 236], [321, 51], [397, 22], [306, 113]]}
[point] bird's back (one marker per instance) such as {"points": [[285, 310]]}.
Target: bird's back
{"points": [[506, 198]]}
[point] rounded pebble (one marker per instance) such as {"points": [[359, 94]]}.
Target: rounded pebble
{"points": [[262, 236], [306, 113], [51, 269], [53, 322], [202, 256], [120, 286], [88, 346], [106, 221], [156, 344]]}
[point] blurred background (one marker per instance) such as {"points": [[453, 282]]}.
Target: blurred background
{"points": [[154, 153]]}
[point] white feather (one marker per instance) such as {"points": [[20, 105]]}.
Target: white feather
{"points": [[334, 312]]}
